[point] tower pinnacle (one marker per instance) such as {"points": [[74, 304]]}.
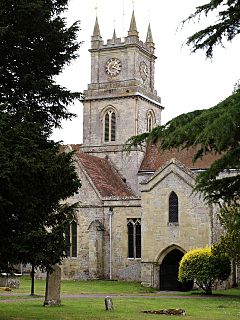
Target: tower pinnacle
{"points": [[149, 38], [96, 30], [133, 27], [114, 37]]}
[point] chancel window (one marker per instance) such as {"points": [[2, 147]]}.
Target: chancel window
{"points": [[173, 207], [71, 239], [109, 126], [150, 120], [134, 238]]}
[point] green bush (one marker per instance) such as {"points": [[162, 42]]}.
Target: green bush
{"points": [[205, 267]]}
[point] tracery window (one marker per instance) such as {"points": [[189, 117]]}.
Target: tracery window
{"points": [[173, 207], [71, 239], [109, 124], [150, 120], [134, 238]]}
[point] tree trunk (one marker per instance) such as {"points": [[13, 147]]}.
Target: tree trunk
{"points": [[234, 275], [32, 280], [208, 290]]}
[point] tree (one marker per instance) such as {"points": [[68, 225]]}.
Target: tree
{"points": [[35, 47], [230, 241], [36, 178], [226, 27], [204, 267]]}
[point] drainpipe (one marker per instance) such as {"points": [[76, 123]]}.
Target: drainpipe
{"points": [[110, 212]]}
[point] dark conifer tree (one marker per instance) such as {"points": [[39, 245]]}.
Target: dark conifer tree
{"points": [[36, 178]]}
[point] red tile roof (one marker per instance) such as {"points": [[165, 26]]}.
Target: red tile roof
{"points": [[105, 178], [155, 158]]}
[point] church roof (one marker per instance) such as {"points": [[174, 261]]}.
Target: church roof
{"points": [[104, 176], [155, 158]]}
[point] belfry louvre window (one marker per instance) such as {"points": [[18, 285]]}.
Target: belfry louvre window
{"points": [[71, 239], [109, 126], [134, 238], [173, 207], [150, 120]]}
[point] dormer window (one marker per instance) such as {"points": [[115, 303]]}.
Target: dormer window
{"points": [[109, 125]]}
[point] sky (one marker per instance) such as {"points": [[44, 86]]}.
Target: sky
{"points": [[185, 81]]}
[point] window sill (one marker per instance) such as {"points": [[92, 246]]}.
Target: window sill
{"points": [[174, 224]]}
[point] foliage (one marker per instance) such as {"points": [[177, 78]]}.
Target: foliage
{"points": [[211, 131], [226, 27], [35, 47], [203, 266], [230, 242], [36, 178]]}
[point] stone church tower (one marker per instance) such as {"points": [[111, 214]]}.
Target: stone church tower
{"points": [[137, 212], [120, 100]]}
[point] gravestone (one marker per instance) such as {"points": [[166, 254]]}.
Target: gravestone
{"points": [[53, 287], [108, 303], [9, 281]]}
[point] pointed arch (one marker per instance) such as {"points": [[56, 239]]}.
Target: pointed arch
{"points": [[134, 238], [168, 249], [71, 239], [173, 208], [150, 120], [109, 125]]}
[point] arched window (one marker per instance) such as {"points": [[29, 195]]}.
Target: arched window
{"points": [[150, 120], [71, 239], [109, 125], [173, 207], [134, 238]]}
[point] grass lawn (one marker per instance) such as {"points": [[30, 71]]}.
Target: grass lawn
{"points": [[223, 305]]}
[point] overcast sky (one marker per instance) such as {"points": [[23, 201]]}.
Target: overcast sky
{"points": [[184, 81]]}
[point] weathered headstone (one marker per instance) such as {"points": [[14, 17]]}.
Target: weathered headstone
{"points": [[108, 303], [53, 287], [11, 282]]}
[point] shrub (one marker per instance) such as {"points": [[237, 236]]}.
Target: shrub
{"points": [[205, 267]]}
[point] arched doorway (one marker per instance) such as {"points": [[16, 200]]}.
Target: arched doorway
{"points": [[169, 273]]}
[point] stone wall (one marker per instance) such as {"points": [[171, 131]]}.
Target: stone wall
{"points": [[123, 268], [159, 236]]}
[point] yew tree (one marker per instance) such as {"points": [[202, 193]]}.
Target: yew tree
{"points": [[36, 177]]}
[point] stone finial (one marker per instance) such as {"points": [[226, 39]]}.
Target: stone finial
{"points": [[96, 37], [133, 27], [114, 37], [96, 31], [149, 38]]}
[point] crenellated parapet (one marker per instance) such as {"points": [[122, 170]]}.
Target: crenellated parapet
{"points": [[131, 39]]}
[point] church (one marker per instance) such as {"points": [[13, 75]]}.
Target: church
{"points": [[137, 213]]}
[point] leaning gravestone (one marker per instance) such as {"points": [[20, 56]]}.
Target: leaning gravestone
{"points": [[53, 287]]}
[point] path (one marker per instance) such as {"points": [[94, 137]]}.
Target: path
{"points": [[158, 295]]}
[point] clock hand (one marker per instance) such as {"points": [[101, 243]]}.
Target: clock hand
{"points": [[116, 68]]}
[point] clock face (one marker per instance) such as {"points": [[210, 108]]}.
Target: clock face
{"points": [[143, 69], [113, 67]]}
